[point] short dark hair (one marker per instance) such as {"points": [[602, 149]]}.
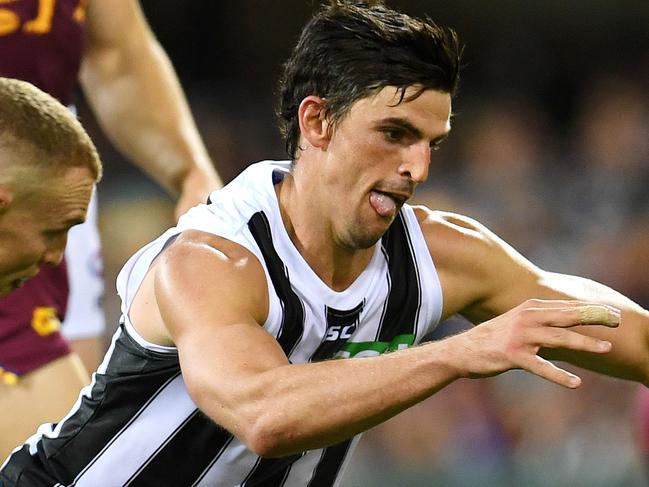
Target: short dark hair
{"points": [[351, 48]]}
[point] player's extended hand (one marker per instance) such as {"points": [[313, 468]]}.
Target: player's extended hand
{"points": [[513, 339]]}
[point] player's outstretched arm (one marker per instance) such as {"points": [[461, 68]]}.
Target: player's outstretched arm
{"points": [[208, 296], [133, 89], [483, 277]]}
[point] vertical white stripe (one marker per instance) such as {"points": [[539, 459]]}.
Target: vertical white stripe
{"points": [[348, 458], [231, 468], [302, 470], [140, 438]]}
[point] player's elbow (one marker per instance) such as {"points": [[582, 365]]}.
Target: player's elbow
{"points": [[269, 438], [263, 445], [261, 432]]}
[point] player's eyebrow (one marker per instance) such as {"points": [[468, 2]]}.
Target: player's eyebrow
{"points": [[403, 124]]}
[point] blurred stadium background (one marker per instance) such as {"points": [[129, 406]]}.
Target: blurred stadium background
{"points": [[550, 149]]}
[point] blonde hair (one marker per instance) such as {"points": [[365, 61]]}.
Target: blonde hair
{"points": [[31, 121]]}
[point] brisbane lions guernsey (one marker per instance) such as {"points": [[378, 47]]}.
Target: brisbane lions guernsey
{"points": [[136, 424], [41, 41]]}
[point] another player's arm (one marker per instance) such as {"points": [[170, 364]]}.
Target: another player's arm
{"points": [[133, 89], [485, 277]]}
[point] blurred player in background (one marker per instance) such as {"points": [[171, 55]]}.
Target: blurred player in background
{"points": [[220, 373], [133, 90]]}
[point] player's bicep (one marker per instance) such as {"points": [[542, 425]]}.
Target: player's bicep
{"points": [[213, 300]]}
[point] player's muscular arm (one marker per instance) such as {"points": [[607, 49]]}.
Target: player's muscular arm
{"points": [[133, 89], [211, 296], [484, 278]]}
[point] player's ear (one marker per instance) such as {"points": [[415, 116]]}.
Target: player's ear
{"points": [[314, 127], [6, 197]]}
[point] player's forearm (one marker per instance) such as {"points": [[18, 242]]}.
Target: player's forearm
{"points": [[294, 408], [140, 104]]}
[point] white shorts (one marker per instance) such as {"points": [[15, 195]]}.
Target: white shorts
{"points": [[85, 314]]}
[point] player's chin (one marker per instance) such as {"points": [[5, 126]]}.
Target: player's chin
{"points": [[366, 236]]}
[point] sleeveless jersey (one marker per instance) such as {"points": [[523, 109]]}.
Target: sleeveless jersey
{"points": [[137, 425], [41, 41]]}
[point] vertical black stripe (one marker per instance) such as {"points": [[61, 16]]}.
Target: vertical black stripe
{"points": [[413, 253], [293, 316], [327, 470], [112, 405], [178, 461], [270, 472], [342, 323], [403, 303]]}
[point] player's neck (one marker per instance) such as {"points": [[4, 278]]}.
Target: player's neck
{"points": [[311, 232]]}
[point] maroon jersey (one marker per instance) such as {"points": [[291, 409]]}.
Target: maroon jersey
{"points": [[30, 322], [41, 42]]}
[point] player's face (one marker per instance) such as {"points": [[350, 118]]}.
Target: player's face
{"points": [[33, 229], [378, 154]]}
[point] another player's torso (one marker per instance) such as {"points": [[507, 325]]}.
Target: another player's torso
{"points": [[30, 323], [41, 41]]}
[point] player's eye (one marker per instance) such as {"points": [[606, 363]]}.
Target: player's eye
{"points": [[393, 134]]}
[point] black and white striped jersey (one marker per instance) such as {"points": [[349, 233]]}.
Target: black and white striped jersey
{"points": [[136, 424]]}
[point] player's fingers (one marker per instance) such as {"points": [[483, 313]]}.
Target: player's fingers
{"points": [[552, 337], [558, 303], [598, 314], [582, 314], [549, 371]]}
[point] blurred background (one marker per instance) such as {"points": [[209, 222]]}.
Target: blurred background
{"points": [[550, 149]]}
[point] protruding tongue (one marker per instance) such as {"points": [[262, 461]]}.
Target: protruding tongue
{"points": [[382, 204]]}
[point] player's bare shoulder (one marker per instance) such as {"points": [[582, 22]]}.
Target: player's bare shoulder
{"points": [[196, 269], [213, 264], [196, 245], [454, 236]]}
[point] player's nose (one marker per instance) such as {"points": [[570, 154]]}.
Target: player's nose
{"points": [[416, 163]]}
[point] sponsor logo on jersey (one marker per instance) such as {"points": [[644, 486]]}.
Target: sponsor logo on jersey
{"points": [[45, 321], [372, 349]]}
